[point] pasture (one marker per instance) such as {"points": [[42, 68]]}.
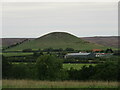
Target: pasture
{"points": [[76, 65], [17, 54]]}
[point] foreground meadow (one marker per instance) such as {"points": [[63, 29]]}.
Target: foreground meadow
{"points": [[58, 84]]}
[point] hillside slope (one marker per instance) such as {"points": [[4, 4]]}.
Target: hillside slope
{"points": [[58, 40], [111, 41], [10, 41]]}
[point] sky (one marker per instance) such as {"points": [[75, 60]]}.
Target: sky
{"points": [[83, 19]]}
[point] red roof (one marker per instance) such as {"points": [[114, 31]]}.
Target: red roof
{"points": [[96, 50]]}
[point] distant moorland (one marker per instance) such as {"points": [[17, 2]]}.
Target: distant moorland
{"points": [[111, 41]]}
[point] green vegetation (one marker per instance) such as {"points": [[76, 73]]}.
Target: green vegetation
{"points": [[17, 54], [75, 66], [54, 74], [68, 65], [50, 67], [57, 40]]}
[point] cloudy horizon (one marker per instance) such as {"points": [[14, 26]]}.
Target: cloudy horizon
{"points": [[32, 20]]}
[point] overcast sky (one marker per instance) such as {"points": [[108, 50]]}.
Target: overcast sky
{"points": [[81, 19]]}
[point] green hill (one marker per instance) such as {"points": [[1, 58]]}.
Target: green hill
{"points": [[58, 40]]}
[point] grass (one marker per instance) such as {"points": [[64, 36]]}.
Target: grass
{"points": [[75, 66], [58, 84], [16, 54]]}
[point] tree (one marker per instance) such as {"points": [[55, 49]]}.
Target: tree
{"points": [[37, 54], [48, 67], [109, 51], [27, 50], [86, 72], [6, 67], [69, 49], [19, 71], [106, 71]]}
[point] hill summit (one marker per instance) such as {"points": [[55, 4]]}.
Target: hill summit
{"points": [[58, 40], [61, 36]]}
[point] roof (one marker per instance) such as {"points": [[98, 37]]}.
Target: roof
{"points": [[100, 53], [78, 53], [96, 50]]}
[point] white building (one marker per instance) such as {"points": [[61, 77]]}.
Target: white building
{"points": [[80, 55]]}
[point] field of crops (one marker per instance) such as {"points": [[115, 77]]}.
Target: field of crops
{"points": [[58, 84]]}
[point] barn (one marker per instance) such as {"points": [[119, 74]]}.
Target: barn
{"points": [[80, 55]]}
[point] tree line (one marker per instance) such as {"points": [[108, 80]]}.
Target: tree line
{"points": [[50, 67], [68, 49]]}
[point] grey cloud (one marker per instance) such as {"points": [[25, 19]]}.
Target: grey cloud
{"points": [[35, 19]]}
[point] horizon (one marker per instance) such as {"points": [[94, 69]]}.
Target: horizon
{"points": [[62, 32]]}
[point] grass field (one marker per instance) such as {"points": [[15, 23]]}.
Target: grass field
{"points": [[16, 54], [75, 66], [58, 84]]}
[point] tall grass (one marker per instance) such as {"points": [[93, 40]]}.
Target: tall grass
{"points": [[58, 84]]}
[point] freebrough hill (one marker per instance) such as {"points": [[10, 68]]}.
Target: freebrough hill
{"points": [[56, 40]]}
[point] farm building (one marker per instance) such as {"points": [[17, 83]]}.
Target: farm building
{"points": [[80, 55], [103, 54]]}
